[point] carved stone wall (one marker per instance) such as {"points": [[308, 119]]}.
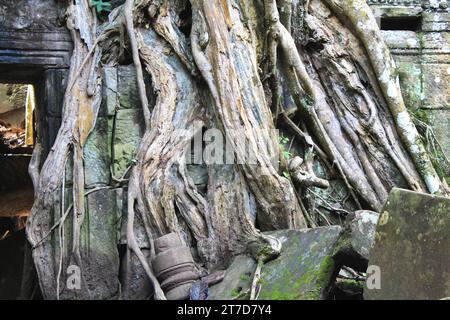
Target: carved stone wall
{"points": [[31, 33], [35, 48]]}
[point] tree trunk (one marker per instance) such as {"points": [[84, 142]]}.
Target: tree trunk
{"points": [[233, 66]]}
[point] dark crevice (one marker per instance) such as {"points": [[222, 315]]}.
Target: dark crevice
{"points": [[186, 20], [401, 23]]}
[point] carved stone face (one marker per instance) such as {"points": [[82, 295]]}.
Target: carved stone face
{"points": [[29, 14]]}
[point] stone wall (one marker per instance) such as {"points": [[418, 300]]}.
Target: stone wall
{"points": [[111, 148], [32, 33], [35, 48]]}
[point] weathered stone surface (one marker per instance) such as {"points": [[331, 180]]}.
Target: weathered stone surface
{"points": [[385, 8], [238, 279], [362, 229], [30, 14], [128, 93], [55, 82], [412, 247], [436, 91], [357, 240], [31, 34], [401, 39], [97, 157], [110, 91], [174, 266], [435, 21], [128, 130], [136, 285], [53, 125], [422, 57], [99, 245], [127, 87], [139, 230], [305, 267], [440, 121]]}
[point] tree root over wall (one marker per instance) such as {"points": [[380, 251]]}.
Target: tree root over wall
{"points": [[230, 71]]}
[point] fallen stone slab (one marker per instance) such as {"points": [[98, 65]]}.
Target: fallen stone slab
{"points": [[411, 255], [237, 280], [348, 289], [306, 267]]}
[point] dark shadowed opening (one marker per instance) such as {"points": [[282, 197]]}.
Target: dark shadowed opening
{"points": [[411, 23], [17, 139]]}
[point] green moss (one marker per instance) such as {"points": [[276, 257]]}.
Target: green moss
{"points": [[422, 115], [308, 287], [325, 272], [235, 292], [343, 242], [352, 284], [245, 277], [265, 252]]}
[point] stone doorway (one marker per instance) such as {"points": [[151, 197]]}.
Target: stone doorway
{"points": [[17, 126], [34, 53]]}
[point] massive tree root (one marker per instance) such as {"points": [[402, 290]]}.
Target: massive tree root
{"points": [[81, 104], [214, 74]]}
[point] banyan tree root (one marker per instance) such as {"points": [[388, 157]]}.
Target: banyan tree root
{"points": [[160, 189], [209, 61], [315, 77], [304, 175], [227, 62], [81, 105], [364, 24], [220, 49]]}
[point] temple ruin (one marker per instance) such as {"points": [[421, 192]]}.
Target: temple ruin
{"points": [[35, 50]]}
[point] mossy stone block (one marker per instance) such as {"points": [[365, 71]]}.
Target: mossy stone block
{"points": [[237, 281], [97, 159], [305, 268], [411, 248], [127, 132], [99, 245]]}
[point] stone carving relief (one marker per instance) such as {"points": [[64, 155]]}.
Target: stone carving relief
{"points": [[29, 14]]}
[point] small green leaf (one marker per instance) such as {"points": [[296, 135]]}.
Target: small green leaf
{"points": [[101, 6], [283, 140], [286, 174], [287, 155]]}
